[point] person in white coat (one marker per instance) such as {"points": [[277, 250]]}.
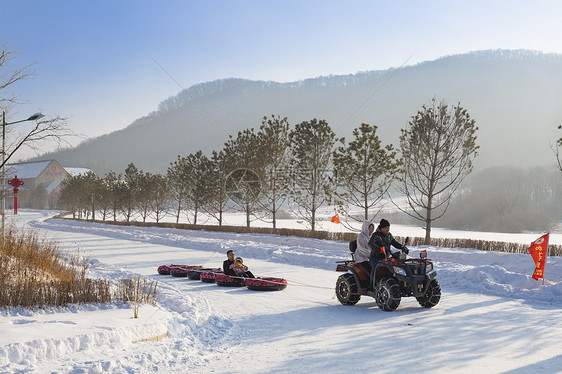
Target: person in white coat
{"points": [[363, 251]]}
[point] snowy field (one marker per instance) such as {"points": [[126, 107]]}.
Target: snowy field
{"points": [[492, 318]]}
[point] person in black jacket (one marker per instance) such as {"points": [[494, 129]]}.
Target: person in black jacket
{"points": [[229, 261], [228, 270], [380, 244]]}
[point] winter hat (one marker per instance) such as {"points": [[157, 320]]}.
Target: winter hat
{"points": [[239, 260], [384, 223]]}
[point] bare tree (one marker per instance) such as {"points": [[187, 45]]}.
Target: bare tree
{"points": [[438, 148], [44, 130], [54, 128], [556, 150], [10, 73]]}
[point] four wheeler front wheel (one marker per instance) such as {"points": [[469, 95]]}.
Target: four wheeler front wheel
{"points": [[347, 290], [388, 294], [432, 296]]}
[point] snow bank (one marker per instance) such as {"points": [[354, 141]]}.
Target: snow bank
{"points": [[43, 335]]}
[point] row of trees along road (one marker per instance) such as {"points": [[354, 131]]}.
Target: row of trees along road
{"points": [[301, 169]]}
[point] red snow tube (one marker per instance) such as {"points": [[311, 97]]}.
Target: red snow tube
{"points": [[229, 281], [195, 272], [209, 276], [180, 270], [266, 284], [164, 269]]}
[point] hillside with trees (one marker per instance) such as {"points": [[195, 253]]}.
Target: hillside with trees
{"points": [[514, 96]]}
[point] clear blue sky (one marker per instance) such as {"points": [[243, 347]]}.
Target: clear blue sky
{"points": [[93, 59]]}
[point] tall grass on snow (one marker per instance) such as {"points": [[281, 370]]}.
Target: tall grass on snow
{"points": [[137, 291], [35, 274]]}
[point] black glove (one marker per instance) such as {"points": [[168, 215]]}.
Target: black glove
{"points": [[406, 250]]}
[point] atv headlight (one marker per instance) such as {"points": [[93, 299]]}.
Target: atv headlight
{"points": [[400, 271], [428, 268]]}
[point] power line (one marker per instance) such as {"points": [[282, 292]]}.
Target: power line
{"points": [[375, 92], [191, 97]]}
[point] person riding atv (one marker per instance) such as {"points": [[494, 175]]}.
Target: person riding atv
{"points": [[380, 244], [393, 277]]}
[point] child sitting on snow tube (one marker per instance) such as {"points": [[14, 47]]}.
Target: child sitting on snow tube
{"points": [[230, 267], [238, 266]]}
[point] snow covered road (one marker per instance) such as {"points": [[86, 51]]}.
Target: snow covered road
{"points": [[492, 318]]}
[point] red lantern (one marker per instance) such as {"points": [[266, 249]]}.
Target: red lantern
{"points": [[15, 183]]}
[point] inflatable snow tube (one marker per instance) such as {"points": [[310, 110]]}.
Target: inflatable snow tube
{"points": [[195, 272], [209, 276], [179, 270], [164, 269], [266, 284], [224, 280]]}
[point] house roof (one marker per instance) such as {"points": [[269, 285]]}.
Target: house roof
{"points": [[76, 171], [27, 170], [52, 186]]}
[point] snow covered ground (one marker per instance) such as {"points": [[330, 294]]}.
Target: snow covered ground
{"points": [[492, 318]]}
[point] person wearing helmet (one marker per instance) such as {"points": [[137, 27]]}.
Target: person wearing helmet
{"points": [[380, 244]]}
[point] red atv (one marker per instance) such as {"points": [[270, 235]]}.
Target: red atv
{"points": [[395, 277]]}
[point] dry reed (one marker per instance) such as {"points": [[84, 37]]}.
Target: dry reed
{"points": [[137, 291], [34, 273]]}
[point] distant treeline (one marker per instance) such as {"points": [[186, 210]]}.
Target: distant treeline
{"points": [[507, 199]]}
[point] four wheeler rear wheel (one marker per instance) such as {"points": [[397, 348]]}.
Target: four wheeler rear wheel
{"points": [[347, 290], [388, 294], [432, 296]]}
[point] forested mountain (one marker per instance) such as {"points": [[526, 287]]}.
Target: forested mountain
{"points": [[514, 96]]}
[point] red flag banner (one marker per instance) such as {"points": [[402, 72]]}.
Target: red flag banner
{"points": [[336, 219], [538, 250]]}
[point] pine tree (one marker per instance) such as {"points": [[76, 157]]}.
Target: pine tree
{"points": [[159, 198], [178, 184], [144, 191], [70, 195], [129, 191], [245, 171], [198, 167], [311, 145], [215, 191], [92, 190], [365, 170], [113, 183], [274, 148]]}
